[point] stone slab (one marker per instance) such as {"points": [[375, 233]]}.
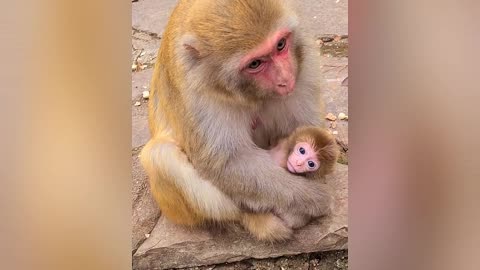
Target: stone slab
{"points": [[145, 212], [171, 245]]}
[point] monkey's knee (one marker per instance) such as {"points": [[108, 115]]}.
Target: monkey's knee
{"points": [[266, 227]]}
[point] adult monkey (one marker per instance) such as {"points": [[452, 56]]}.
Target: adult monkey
{"points": [[221, 66]]}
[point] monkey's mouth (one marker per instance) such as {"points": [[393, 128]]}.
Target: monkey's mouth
{"points": [[290, 167]]}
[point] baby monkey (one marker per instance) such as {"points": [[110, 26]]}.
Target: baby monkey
{"points": [[309, 151]]}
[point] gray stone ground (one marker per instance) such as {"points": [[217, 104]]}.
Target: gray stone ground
{"points": [[324, 20]]}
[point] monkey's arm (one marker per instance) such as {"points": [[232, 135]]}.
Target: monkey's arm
{"points": [[251, 179]]}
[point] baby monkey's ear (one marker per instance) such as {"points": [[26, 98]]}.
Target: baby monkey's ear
{"points": [[329, 153]]}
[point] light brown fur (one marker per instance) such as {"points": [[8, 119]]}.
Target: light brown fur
{"points": [[200, 113]]}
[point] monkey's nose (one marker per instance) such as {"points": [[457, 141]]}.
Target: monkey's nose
{"points": [[284, 88]]}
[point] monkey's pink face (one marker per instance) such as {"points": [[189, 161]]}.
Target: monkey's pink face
{"points": [[303, 159], [271, 64]]}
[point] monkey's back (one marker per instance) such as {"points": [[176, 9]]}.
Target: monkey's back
{"points": [[166, 84]]}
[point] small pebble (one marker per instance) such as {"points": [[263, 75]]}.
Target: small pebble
{"points": [[335, 132], [147, 235], [331, 117], [146, 94], [143, 53], [134, 67], [342, 116], [138, 103]]}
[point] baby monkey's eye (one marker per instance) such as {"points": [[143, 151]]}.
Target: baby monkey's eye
{"points": [[301, 150], [311, 164], [255, 64], [281, 44]]}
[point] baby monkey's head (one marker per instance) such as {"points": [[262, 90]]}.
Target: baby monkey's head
{"points": [[311, 151]]}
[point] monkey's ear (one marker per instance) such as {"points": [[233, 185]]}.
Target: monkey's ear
{"points": [[191, 46], [192, 50]]}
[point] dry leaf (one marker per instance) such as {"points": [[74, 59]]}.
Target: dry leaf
{"points": [[331, 117]]}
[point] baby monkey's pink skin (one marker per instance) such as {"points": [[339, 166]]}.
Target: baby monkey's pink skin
{"points": [[303, 159], [296, 162], [309, 151]]}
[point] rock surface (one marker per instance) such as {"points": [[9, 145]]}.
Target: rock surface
{"points": [[171, 245], [145, 212]]}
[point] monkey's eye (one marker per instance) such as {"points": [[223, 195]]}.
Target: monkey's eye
{"points": [[255, 64], [281, 44], [301, 150], [311, 164]]}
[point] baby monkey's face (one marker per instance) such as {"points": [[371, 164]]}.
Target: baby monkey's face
{"points": [[303, 159]]}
